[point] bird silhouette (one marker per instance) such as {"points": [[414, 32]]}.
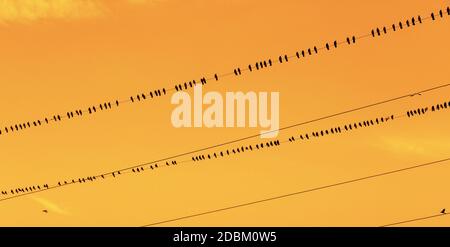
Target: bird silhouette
{"points": [[443, 211], [45, 211]]}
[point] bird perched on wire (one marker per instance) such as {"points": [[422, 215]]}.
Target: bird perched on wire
{"points": [[443, 211]]}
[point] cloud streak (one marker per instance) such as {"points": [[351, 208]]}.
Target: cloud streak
{"points": [[50, 206], [25, 11], [32, 10]]}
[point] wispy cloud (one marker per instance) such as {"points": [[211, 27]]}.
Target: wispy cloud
{"points": [[412, 146], [140, 1], [50, 206], [31, 10], [26, 11]]}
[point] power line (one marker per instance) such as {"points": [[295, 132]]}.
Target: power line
{"points": [[260, 65], [416, 219], [297, 124], [299, 192], [22, 191]]}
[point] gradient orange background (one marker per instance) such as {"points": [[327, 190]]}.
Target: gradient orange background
{"points": [[52, 65]]}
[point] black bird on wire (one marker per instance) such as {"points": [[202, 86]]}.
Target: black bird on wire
{"points": [[443, 211]]}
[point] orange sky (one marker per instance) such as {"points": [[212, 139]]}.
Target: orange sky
{"points": [[61, 55]]}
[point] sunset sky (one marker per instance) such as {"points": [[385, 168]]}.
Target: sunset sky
{"points": [[63, 55]]}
